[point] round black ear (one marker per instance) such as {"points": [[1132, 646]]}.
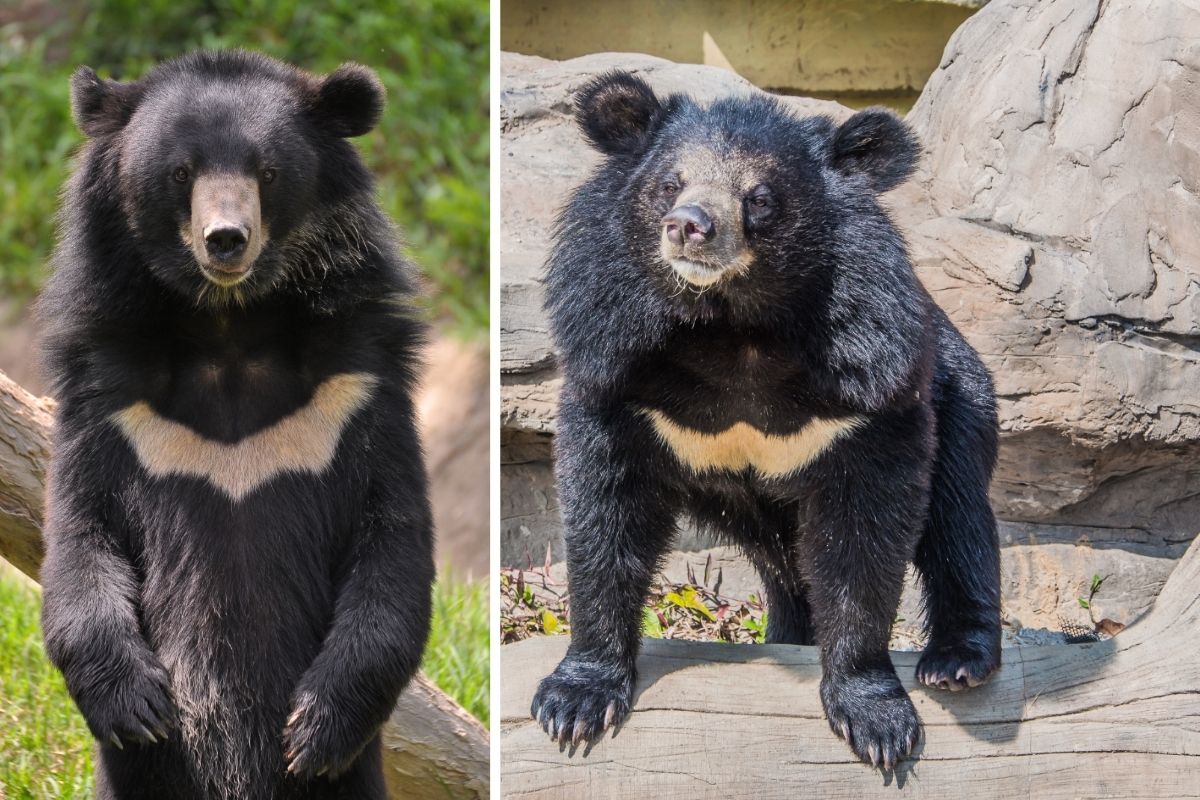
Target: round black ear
{"points": [[878, 145], [99, 106], [618, 112], [349, 101]]}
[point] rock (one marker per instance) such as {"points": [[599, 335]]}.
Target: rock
{"points": [[868, 48], [1053, 219], [1041, 587], [529, 519], [453, 410]]}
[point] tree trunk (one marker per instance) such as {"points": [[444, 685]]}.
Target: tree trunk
{"points": [[432, 747], [1114, 719]]}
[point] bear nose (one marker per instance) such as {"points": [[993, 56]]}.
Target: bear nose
{"points": [[688, 224], [226, 242]]}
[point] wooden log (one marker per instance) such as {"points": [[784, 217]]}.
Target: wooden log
{"points": [[24, 452], [1113, 719], [433, 748]]}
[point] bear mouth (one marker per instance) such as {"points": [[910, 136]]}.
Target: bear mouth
{"points": [[225, 277], [702, 274]]}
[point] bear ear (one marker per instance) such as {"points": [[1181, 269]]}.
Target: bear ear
{"points": [[877, 145], [349, 101], [99, 106], [618, 112]]}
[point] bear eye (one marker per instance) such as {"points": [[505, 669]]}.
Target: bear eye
{"points": [[760, 197], [181, 175], [760, 206], [268, 175]]}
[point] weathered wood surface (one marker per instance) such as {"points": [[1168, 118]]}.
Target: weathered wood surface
{"points": [[1113, 719], [24, 451], [433, 747]]}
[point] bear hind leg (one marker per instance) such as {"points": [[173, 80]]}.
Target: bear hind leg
{"points": [[789, 617], [958, 558]]}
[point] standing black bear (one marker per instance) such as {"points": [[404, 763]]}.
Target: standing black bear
{"points": [[237, 580], [743, 339]]}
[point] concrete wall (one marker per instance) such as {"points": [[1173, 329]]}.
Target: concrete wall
{"points": [[855, 51]]}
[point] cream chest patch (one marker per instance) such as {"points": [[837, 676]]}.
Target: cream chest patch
{"points": [[303, 441], [742, 446]]}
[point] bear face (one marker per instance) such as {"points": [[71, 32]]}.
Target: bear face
{"points": [[221, 160], [739, 197]]}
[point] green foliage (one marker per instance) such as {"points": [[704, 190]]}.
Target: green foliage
{"points": [[534, 603], [430, 151], [1093, 588], [46, 749], [457, 657]]}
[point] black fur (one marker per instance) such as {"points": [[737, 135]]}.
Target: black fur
{"points": [[213, 644], [828, 321]]}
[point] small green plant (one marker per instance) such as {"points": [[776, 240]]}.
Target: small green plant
{"points": [[534, 603], [1093, 588]]}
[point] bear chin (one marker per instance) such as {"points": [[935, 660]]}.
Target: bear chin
{"points": [[697, 274]]}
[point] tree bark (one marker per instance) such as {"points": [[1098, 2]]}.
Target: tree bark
{"points": [[24, 452], [433, 748], [1116, 719]]}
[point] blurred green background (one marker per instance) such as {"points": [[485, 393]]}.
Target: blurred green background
{"points": [[430, 151], [430, 154]]}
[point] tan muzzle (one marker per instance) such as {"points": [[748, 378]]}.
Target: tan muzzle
{"points": [[226, 232]]}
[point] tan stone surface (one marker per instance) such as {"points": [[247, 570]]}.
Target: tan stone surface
{"points": [[800, 46]]}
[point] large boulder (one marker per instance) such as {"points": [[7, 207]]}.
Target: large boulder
{"points": [[1054, 218]]}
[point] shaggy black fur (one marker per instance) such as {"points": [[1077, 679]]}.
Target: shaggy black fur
{"points": [[828, 321], [224, 647]]}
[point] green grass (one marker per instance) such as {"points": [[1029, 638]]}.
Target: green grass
{"points": [[457, 656], [45, 747], [430, 151]]}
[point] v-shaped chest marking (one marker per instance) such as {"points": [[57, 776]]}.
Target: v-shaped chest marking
{"points": [[303, 441], [743, 446]]}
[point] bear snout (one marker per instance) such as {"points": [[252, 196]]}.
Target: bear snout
{"points": [[227, 232], [700, 251], [688, 224], [226, 243]]}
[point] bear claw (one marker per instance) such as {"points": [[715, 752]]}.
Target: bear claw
{"points": [[874, 716], [579, 702], [964, 663]]}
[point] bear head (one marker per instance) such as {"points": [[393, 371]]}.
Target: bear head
{"points": [[221, 158], [741, 197]]}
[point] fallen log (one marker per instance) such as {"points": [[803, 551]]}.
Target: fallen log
{"points": [[25, 423], [1115, 719], [433, 748]]}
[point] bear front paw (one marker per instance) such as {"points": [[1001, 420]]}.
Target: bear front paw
{"points": [[961, 661], [873, 713], [319, 739], [127, 703], [581, 700]]}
